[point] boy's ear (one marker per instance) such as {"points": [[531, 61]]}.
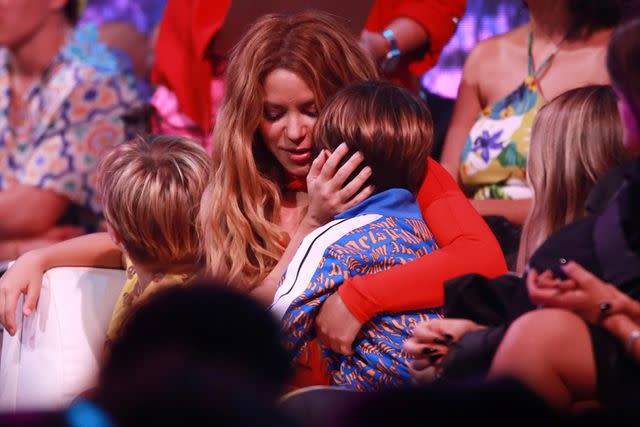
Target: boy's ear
{"points": [[115, 236]]}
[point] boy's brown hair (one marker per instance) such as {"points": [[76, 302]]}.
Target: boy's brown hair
{"points": [[391, 127], [150, 188]]}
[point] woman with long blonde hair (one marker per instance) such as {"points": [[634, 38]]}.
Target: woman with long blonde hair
{"points": [[576, 139], [257, 210], [252, 207]]}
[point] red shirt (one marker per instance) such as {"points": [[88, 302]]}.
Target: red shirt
{"points": [[467, 246]]}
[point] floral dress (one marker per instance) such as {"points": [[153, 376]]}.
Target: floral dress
{"points": [[494, 157]]}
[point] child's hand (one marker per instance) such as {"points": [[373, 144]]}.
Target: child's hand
{"points": [[328, 194], [24, 277]]}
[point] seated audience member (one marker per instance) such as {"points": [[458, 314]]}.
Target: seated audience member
{"points": [[562, 47], [598, 325], [151, 190], [576, 351], [393, 131], [61, 99], [576, 139]]}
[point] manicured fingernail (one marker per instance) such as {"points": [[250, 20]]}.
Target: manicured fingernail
{"points": [[434, 358], [429, 350], [448, 337], [367, 170], [440, 341]]}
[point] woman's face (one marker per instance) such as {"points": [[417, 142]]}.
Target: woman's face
{"points": [[289, 114]]}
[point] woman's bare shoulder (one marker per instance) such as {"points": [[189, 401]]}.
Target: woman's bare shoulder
{"points": [[497, 52]]}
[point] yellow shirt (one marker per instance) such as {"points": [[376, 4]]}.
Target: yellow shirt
{"points": [[133, 293]]}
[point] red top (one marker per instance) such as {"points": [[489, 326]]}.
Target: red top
{"points": [[437, 17], [467, 246]]}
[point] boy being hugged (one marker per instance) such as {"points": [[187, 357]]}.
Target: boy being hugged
{"points": [[150, 189], [393, 130]]}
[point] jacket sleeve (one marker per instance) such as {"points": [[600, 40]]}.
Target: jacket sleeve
{"points": [[300, 314], [466, 246]]}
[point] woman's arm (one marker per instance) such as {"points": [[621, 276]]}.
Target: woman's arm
{"points": [[467, 246], [468, 106], [25, 276]]}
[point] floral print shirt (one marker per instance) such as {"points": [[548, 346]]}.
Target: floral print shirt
{"points": [[67, 120], [494, 157]]}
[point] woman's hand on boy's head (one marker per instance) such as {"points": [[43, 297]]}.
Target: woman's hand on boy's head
{"points": [[328, 194], [336, 327], [24, 277]]}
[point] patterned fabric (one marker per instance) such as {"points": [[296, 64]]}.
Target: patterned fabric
{"points": [[495, 153], [383, 231], [66, 121], [133, 293]]}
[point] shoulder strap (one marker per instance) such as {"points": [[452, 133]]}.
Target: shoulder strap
{"points": [[545, 63]]}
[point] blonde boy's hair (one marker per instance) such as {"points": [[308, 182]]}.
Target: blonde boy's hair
{"points": [[150, 189]]}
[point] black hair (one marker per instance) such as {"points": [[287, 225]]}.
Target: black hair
{"points": [[207, 324], [590, 16]]}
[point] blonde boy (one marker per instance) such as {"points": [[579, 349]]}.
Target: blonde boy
{"points": [[150, 190]]}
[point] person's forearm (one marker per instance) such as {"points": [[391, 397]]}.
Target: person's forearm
{"points": [[514, 211], [28, 211], [91, 250], [467, 246]]}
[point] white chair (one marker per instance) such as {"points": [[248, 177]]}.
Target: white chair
{"points": [[55, 353]]}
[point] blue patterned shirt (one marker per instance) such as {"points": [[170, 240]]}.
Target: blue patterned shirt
{"points": [[385, 230]]}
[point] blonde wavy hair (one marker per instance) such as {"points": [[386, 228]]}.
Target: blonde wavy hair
{"points": [[240, 209], [575, 140], [150, 189]]}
